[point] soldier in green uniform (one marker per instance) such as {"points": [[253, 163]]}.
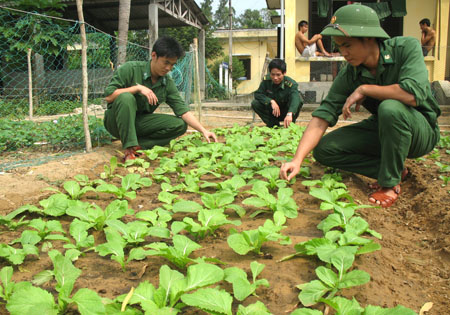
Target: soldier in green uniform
{"points": [[136, 90], [389, 78], [277, 98]]}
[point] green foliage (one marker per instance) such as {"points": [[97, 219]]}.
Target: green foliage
{"points": [[256, 19], [172, 286], [242, 288], [98, 52], [252, 240], [66, 132]]}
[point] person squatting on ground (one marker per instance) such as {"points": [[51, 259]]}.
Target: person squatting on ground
{"points": [[136, 89], [389, 78], [428, 37], [308, 47], [277, 98]]}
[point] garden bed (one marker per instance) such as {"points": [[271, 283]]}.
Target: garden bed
{"points": [[411, 269]]}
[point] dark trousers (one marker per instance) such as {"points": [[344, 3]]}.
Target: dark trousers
{"points": [[265, 113], [147, 130], [378, 146]]}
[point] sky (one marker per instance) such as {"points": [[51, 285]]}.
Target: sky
{"points": [[241, 5]]}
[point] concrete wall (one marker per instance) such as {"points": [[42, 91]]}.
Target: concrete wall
{"points": [[255, 43], [436, 10]]}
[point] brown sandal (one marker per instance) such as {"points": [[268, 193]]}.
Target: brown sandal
{"points": [[384, 200], [405, 175]]}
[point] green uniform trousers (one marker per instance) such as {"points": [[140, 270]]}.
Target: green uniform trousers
{"points": [[265, 113], [123, 121], [378, 146]]}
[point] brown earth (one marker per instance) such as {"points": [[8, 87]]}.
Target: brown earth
{"points": [[412, 268]]}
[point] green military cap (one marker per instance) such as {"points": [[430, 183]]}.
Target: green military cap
{"points": [[355, 20]]}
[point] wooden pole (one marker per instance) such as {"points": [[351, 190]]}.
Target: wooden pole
{"points": [[30, 84], [197, 81], [87, 134]]}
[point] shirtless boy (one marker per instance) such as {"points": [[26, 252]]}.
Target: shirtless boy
{"points": [[308, 47], [428, 38]]}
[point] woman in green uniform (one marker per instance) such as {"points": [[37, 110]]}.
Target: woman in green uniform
{"points": [[389, 78]]}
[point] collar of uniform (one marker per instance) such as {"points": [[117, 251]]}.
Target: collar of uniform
{"points": [[148, 74], [385, 58], [281, 85]]}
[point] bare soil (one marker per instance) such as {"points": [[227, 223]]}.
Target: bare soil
{"points": [[412, 268]]}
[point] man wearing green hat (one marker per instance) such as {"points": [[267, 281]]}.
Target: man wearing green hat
{"points": [[389, 78]]}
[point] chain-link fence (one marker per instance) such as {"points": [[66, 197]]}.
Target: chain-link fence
{"points": [[41, 63]]}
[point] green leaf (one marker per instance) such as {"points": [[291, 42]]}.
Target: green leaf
{"points": [[242, 288], [239, 244], [73, 188], [255, 201], [186, 206], [312, 292], [65, 273], [201, 275], [144, 292], [344, 306], [333, 220], [257, 308], [210, 300], [327, 276], [342, 259], [398, 310], [167, 280], [368, 248], [116, 210], [43, 277], [256, 269], [88, 302], [306, 311], [31, 300], [354, 278]]}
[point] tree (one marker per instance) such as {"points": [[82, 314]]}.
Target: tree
{"points": [[221, 16], [124, 21], [256, 19]]}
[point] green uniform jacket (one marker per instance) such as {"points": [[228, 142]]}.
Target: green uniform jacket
{"points": [[138, 72], [401, 62], [285, 94]]}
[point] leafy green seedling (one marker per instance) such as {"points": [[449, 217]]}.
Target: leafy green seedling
{"points": [[155, 152], [133, 232], [242, 288], [167, 165], [218, 200], [443, 168], [159, 219], [330, 198], [284, 203], [54, 206], [209, 222], [344, 306], [178, 254], [7, 287], [232, 185], [114, 246], [79, 232], [108, 170], [252, 240], [257, 308], [445, 179], [272, 174], [95, 216], [172, 286], [16, 256], [46, 229], [328, 181], [130, 183], [34, 300], [8, 220], [342, 259]]}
